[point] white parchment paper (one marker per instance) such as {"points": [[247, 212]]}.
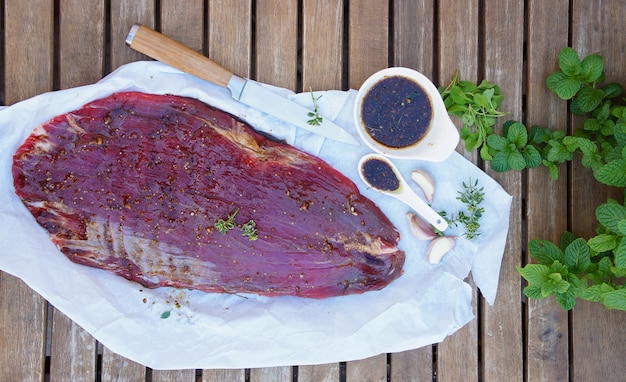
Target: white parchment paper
{"points": [[426, 304]]}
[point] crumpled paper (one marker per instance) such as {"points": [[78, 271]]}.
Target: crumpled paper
{"points": [[166, 328]]}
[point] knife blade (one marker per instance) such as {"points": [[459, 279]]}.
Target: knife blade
{"points": [[169, 51]]}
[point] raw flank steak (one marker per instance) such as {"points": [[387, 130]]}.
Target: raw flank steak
{"points": [[169, 191]]}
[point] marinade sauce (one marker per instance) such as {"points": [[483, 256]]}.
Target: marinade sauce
{"points": [[396, 112], [380, 175]]}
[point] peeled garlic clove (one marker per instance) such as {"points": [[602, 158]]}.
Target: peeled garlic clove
{"points": [[425, 181], [419, 228], [438, 248]]}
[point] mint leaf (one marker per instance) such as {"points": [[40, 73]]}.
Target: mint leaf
{"points": [[499, 162], [565, 87], [615, 299], [620, 254], [612, 173], [532, 156], [621, 226], [567, 299], [592, 67], [610, 214], [569, 61], [612, 90], [566, 239], [545, 252], [558, 152], [517, 135], [603, 242], [596, 292], [535, 274], [554, 283], [578, 256], [497, 142], [587, 99], [516, 160], [533, 291]]}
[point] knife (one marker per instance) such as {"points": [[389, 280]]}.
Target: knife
{"points": [[171, 52]]}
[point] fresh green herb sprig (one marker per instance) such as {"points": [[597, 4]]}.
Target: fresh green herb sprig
{"points": [[223, 226], [478, 108], [593, 269], [248, 229], [600, 141], [316, 118], [472, 197]]}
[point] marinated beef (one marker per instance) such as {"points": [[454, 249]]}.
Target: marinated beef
{"points": [[168, 191]]}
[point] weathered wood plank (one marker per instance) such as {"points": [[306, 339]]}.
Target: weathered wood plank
{"points": [[372, 369], [368, 52], [502, 341], [81, 62], [322, 41], [116, 368], [22, 331], [319, 373], [34, 21], [413, 48], [22, 311], [72, 351], [547, 323], [188, 375], [277, 43], [458, 49], [230, 35], [123, 15], [224, 375], [598, 336], [368, 35], [184, 23], [457, 355], [412, 365], [276, 374], [413, 36], [81, 45]]}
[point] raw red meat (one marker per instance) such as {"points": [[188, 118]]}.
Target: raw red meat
{"points": [[134, 184]]}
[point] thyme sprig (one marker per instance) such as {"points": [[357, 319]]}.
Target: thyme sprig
{"points": [[472, 196], [248, 229], [226, 225], [316, 118]]}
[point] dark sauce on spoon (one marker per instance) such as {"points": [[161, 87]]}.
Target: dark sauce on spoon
{"points": [[396, 112], [380, 175]]}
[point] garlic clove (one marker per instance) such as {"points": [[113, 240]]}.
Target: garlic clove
{"points": [[419, 228], [425, 182], [439, 247]]}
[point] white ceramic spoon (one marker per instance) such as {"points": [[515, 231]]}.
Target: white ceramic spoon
{"points": [[398, 187]]}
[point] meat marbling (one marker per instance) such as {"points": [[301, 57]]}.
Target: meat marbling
{"points": [[134, 183]]}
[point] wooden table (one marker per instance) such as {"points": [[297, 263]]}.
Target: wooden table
{"points": [[336, 44]]}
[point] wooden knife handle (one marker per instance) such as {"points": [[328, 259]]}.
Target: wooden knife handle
{"points": [[162, 48]]}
